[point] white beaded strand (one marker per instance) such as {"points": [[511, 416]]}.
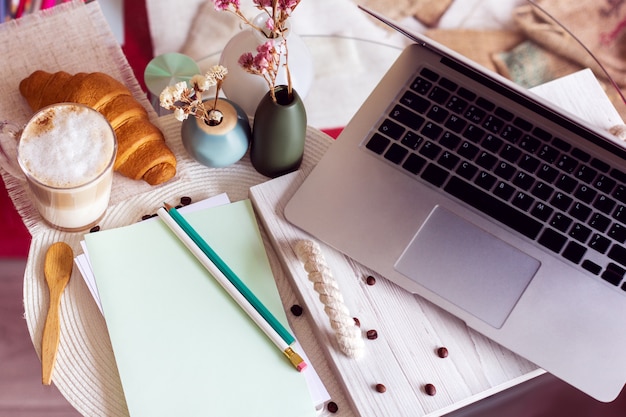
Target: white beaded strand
{"points": [[347, 333]]}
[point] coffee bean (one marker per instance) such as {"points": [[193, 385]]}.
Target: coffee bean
{"points": [[185, 201], [370, 280], [296, 310], [381, 388], [357, 322], [94, 229], [442, 352], [430, 389], [332, 407], [372, 334]]}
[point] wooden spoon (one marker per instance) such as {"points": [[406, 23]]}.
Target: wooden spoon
{"points": [[57, 270]]}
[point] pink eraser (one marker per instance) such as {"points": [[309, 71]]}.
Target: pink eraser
{"points": [[301, 366]]}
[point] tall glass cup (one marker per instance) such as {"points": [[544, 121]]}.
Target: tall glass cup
{"points": [[65, 152]]}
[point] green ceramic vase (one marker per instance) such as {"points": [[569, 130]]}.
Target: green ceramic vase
{"points": [[278, 133]]}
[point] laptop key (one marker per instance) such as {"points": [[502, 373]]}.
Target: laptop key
{"points": [[430, 150], [439, 95], [504, 191], [617, 232], [604, 183], [467, 170], [620, 193], [407, 117], [574, 252], [421, 86], [585, 173], [511, 153], [493, 207], [456, 124], [561, 201], [618, 254], [552, 240], [493, 124], [412, 140], [475, 114], [457, 104], [566, 183], [599, 243], [485, 180], [592, 267], [435, 175], [542, 211], [430, 74], [432, 131], [474, 133], [560, 222], [414, 164], [522, 201], [580, 211], [467, 150], [580, 232], [599, 222], [486, 160], [613, 273], [450, 140], [378, 143], [437, 114], [396, 153], [391, 129], [448, 160], [415, 102], [466, 94]]}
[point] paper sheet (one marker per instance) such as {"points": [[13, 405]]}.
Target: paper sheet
{"points": [[177, 336]]}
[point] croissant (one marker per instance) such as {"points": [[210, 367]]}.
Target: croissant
{"points": [[142, 152]]}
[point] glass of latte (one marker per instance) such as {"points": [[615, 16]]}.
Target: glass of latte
{"points": [[66, 153]]}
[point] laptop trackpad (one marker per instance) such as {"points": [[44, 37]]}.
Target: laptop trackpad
{"points": [[467, 266]]}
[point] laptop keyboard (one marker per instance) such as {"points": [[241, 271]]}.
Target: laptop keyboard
{"points": [[571, 203]]}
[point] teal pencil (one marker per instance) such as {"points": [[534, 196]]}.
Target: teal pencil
{"points": [[211, 260]]}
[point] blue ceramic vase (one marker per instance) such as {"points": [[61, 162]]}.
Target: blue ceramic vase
{"points": [[220, 144], [278, 133]]}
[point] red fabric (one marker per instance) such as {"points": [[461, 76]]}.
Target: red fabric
{"points": [[334, 132], [137, 41], [14, 237]]}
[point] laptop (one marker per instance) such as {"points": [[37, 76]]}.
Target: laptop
{"points": [[477, 195]]}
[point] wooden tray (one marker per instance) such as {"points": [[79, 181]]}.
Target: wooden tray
{"points": [[410, 330]]}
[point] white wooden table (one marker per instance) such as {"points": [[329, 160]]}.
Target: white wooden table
{"points": [[410, 330]]}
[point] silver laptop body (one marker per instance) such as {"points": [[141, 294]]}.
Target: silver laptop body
{"points": [[501, 270]]}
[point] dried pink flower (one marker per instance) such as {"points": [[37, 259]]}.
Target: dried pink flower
{"points": [[225, 4], [267, 60]]}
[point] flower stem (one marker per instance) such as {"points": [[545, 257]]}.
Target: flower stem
{"points": [[287, 71]]}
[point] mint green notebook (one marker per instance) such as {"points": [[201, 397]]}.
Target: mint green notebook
{"points": [[183, 347]]}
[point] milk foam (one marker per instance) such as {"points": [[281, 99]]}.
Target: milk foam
{"points": [[66, 146]]}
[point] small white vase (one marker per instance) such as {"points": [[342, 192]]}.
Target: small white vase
{"points": [[246, 89]]}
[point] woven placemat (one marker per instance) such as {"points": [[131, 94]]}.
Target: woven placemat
{"points": [[86, 372]]}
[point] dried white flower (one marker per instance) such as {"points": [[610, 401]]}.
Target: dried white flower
{"points": [[218, 72], [167, 98], [180, 114], [186, 100], [201, 83]]}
